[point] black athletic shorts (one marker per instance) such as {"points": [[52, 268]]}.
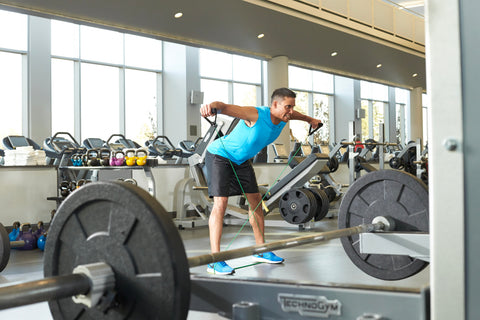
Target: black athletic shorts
{"points": [[222, 181]]}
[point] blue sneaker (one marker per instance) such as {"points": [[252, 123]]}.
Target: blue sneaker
{"points": [[220, 268], [268, 257]]}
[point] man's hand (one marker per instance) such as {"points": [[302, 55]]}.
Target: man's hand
{"points": [[315, 123], [208, 110]]}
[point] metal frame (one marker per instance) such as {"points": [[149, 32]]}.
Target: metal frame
{"points": [[291, 300]]}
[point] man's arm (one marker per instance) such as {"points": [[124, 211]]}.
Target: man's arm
{"points": [[249, 114], [315, 123]]}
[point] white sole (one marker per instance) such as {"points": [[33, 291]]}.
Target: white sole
{"points": [[266, 261], [212, 271]]}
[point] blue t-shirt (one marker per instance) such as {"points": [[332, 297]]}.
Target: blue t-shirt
{"points": [[245, 142]]}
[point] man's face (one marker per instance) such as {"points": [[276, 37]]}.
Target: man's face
{"points": [[284, 109]]}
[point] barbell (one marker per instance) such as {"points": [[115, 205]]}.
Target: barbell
{"points": [[113, 252]]}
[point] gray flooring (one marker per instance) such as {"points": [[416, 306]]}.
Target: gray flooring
{"points": [[315, 263]]}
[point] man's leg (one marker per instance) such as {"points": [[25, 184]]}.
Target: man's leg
{"points": [[256, 218], [215, 222]]}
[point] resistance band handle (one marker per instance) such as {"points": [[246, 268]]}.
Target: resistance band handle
{"points": [[214, 122], [310, 131]]}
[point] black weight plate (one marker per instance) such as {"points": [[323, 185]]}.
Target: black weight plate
{"points": [[322, 203], [325, 203], [4, 247], [329, 191], [333, 164], [393, 193], [295, 206], [370, 144], [124, 226]]}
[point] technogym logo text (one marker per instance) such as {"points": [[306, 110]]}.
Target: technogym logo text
{"points": [[312, 306]]}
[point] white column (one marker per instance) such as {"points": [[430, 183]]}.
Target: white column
{"points": [[416, 115], [38, 122], [278, 78], [180, 76], [446, 167]]}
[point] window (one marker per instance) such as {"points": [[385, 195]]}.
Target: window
{"points": [[425, 118], [402, 98], [10, 94], [314, 97], [113, 78], [100, 101], [101, 45], [140, 105], [374, 103], [63, 95], [13, 50], [17, 36], [229, 78]]}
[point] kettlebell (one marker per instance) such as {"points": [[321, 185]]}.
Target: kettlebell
{"points": [[41, 242], [117, 158], [28, 237], [77, 160], [40, 229], [104, 155], [13, 235], [130, 158], [141, 155], [64, 188], [93, 157]]}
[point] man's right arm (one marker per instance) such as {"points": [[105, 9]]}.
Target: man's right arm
{"points": [[249, 114]]}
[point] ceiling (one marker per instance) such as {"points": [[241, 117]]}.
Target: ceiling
{"points": [[233, 26]]}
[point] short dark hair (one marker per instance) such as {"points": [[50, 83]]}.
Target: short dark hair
{"points": [[282, 93]]}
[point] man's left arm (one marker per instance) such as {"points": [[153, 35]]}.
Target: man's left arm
{"points": [[315, 123]]}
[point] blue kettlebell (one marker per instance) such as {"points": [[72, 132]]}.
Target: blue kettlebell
{"points": [[41, 242], [13, 235], [28, 237]]}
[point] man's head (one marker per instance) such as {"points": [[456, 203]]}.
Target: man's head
{"points": [[281, 93], [282, 103]]}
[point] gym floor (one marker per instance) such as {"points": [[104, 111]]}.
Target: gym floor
{"points": [[324, 263]]}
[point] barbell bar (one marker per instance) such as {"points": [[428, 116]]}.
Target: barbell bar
{"points": [[144, 271], [346, 143], [83, 283]]}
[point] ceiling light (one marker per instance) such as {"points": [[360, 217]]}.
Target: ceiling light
{"points": [[178, 15], [334, 53], [260, 36], [414, 75], [379, 65]]}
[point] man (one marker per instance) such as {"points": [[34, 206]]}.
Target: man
{"points": [[260, 127]]}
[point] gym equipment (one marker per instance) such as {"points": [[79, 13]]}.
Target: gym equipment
{"points": [[115, 249], [130, 158], [121, 143], [41, 242], [66, 187], [77, 160], [60, 147], [141, 156], [117, 158], [94, 143], [377, 193], [27, 236], [13, 142], [13, 235], [300, 205], [93, 157], [162, 147]]}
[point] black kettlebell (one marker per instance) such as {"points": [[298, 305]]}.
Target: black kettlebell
{"points": [[65, 188], [104, 155], [93, 158]]}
